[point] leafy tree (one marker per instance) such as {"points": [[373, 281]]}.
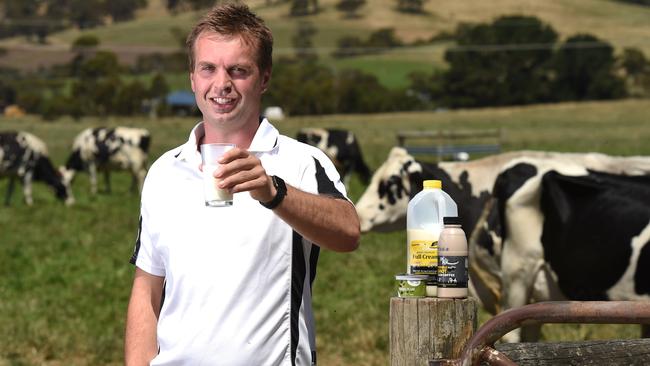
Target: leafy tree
{"points": [[350, 7], [302, 42], [85, 13], [103, 64], [182, 5], [379, 40], [7, 94], [584, 70], [122, 10], [349, 46], [636, 2], [634, 62], [411, 6], [129, 99], [302, 88], [360, 93], [85, 41], [636, 69], [159, 87], [26, 20], [383, 38], [501, 63], [303, 7]]}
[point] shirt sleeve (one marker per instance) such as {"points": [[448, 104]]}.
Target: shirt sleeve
{"points": [[145, 255], [322, 174]]}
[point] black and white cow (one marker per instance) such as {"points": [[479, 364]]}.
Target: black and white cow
{"points": [[383, 208], [342, 148], [573, 227], [105, 149], [24, 156]]}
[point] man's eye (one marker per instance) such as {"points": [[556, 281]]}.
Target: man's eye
{"points": [[238, 71], [207, 68]]}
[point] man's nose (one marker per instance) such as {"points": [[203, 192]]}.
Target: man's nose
{"points": [[223, 83]]}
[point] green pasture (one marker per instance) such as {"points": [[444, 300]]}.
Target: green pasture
{"points": [[65, 276]]}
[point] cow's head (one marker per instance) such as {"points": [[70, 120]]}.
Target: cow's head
{"points": [[45, 171], [67, 175], [383, 205]]}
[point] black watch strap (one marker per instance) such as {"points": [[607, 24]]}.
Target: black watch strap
{"points": [[281, 192]]}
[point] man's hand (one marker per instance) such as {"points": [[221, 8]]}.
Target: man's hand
{"points": [[241, 171]]}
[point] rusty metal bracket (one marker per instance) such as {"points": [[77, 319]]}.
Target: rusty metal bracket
{"points": [[480, 346]]}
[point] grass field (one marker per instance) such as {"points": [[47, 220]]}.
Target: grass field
{"points": [[64, 272]]}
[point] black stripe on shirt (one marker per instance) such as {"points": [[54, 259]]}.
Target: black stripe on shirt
{"points": [[134, 257], [298, 271], [325, 185], [298, 267]]}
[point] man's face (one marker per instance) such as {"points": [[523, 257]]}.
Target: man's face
{"points": [[226, 81]]}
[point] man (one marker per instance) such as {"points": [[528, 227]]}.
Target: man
{"points": [[232, 285]]}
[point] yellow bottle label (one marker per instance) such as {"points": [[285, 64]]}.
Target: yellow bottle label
{"points": [[424, 256]]}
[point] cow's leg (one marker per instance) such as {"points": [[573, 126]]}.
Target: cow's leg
{"points": [[520, 270], [92, 172], [27, 188], [107, 180], [138, 180], [645, 331], [10, 190]]}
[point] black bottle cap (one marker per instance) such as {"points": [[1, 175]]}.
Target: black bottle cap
{"points": [[451, 220]]}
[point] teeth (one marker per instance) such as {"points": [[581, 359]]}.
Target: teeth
{"points": [[222, 100]]}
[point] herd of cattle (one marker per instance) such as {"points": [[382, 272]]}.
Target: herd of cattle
{"points": [[24, 156], [541, 225]]}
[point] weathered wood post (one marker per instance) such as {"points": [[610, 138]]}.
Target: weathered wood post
{"points": [[423, 329]]}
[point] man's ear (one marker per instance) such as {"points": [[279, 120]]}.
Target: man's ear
{"points": [[266, 79], [192, 82]]}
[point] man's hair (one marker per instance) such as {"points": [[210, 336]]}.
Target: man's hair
{"points": [[235, 19]]}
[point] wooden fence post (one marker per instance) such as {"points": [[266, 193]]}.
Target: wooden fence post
{"points": [[423, 329]]}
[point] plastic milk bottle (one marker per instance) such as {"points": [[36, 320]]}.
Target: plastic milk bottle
{"points": [[453, 263], [424, 222]]}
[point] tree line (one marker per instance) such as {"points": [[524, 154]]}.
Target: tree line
{"points": [[513, 60]]}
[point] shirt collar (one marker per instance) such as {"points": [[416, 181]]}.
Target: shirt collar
{"points": [[264, 141]]}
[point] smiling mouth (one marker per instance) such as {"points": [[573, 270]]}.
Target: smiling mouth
{"points": [[223, 102]]}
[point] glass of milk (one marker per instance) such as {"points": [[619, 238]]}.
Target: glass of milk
{"points": [[214, 196]]}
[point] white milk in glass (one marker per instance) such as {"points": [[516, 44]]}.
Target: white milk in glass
{"points": [[214, 196]]}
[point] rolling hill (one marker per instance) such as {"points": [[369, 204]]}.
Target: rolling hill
{"points": [[623, 25]]}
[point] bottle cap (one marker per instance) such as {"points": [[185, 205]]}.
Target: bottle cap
{"points": [[432, 184], [451, 220]]}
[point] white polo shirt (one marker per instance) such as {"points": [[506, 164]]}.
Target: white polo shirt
{"points": [[237, 279]]}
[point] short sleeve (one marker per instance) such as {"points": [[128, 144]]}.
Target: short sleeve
{"points": [[145, 255]]}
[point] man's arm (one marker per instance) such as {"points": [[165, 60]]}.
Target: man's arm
{"points": [[140, 341], [329, 222]]}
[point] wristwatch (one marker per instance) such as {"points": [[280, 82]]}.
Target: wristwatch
{"points": [[281, 191]]}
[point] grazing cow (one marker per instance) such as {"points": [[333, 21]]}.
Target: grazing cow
{"points": [[24, 156], [342, 148], [573, 228], [105, 149]]}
